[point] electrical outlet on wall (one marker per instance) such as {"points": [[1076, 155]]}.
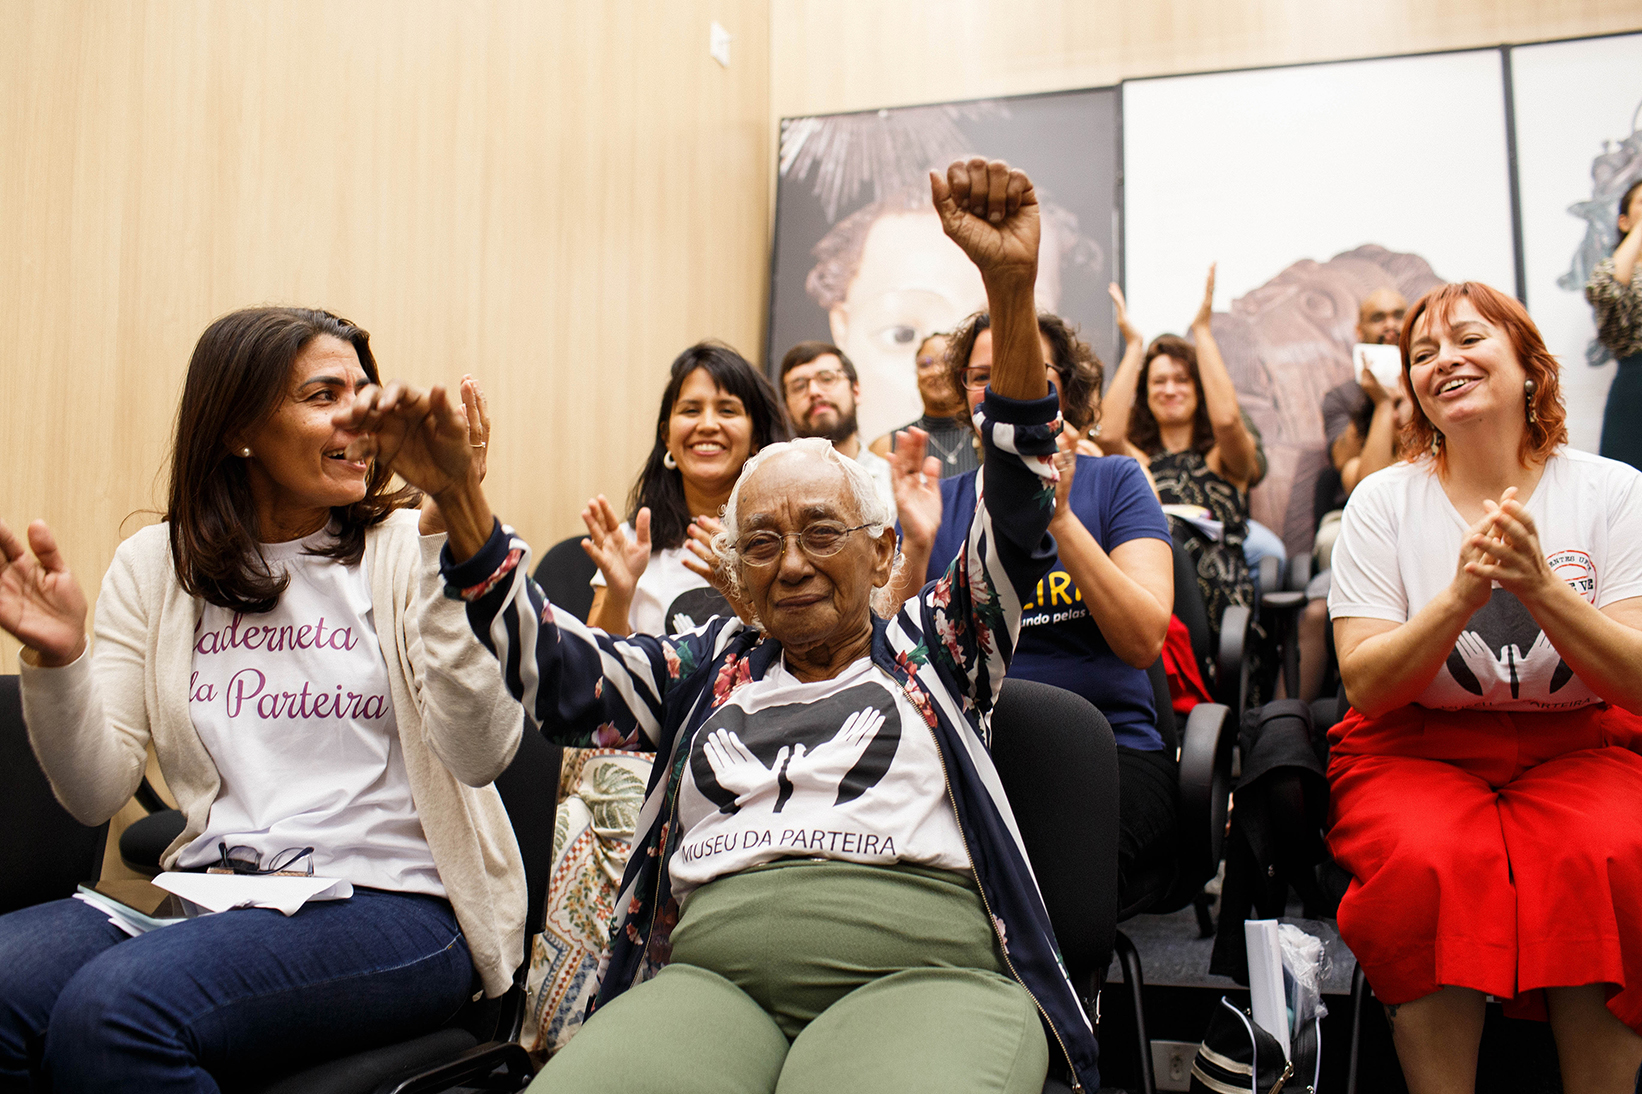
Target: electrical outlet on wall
{"points": [[1172, 1064], [718, 44]]}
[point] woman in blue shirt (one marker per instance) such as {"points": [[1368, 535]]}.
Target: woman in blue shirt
{"points": [[1098, 618]]}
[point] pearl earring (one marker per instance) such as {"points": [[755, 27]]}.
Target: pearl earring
{"points": [[246, 452], [1528, 389], [668, 462]]}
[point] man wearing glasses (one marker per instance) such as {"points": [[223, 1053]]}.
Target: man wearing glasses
{"points": [[820, 387]]}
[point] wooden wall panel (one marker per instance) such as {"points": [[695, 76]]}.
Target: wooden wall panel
{"points": [[558, 196], [837, 55]]}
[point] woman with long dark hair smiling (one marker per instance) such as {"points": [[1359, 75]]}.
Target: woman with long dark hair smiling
{"points": [[270, 641], [717, 412]]}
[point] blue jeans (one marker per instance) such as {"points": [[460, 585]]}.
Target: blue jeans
{"points": [[83, 1006]]}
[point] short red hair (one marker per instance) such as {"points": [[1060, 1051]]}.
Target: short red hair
{"points": [[1548, 431]]}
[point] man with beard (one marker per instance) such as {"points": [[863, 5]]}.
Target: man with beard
{"points": [[1360, 418], [820, 386]]}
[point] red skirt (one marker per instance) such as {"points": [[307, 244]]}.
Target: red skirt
{"points": [[1500, 851]]}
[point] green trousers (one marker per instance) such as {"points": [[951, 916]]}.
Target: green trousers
{"points": [[804, 977]]}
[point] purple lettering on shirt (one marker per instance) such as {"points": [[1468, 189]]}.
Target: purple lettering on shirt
{"points": [[240, 689]]}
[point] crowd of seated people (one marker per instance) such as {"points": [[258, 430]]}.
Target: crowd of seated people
{"points": [[819, 885]]}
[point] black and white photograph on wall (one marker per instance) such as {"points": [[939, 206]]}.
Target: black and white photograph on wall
{"points": [[859, 257], [1314, 188], [1578, 111]]}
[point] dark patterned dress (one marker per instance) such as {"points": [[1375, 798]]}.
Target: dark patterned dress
{"points": [[1222, 570]]}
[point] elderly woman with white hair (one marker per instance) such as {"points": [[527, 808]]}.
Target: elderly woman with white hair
{"points": [[828, 892]]}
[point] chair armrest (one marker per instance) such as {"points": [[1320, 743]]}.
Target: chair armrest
{"points": [[1299, 572], [1205, 785], [1231, 670], [467, 1070], [1270, 575]]}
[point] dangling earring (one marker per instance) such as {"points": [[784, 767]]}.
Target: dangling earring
{"points": [[1528, 389], [1436, 441], [668, 462]]}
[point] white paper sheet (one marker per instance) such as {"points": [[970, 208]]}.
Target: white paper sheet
{"points": [[219, 892], [1267, 1001]]}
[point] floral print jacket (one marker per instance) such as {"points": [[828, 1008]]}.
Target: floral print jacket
{"points": [[948, 649]]}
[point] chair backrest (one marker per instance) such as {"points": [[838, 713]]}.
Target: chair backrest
{"points": [[1189, 607], [1058, 762], [1167, 727], [564, 573], [45, 852]]}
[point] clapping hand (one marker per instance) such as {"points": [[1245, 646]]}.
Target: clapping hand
{"points": [[702, 559], [1120, 314], [917, 482], [991, 212], [1205, 310], [1514, 558], [621, 560], [41, 604]]}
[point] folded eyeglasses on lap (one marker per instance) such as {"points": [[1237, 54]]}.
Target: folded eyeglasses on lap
{"points": [[246, 860]]}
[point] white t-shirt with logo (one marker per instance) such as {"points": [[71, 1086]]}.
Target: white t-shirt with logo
{"points": [[295, 709], [1399, 548], [841, 769]]}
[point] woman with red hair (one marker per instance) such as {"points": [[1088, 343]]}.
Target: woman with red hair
{"points": [[1487, 608]]}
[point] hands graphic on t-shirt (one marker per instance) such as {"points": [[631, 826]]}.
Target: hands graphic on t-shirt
{"points": [[817, 770], [1532, 673], [823, 768], [736, 768]]}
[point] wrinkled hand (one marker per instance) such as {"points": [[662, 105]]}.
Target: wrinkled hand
{"points": [[916, 479], [476, 412], [1515, 559], [736, 768], [1120, 314], [1205, 310], [41, 604], [702, 559], [991, 212], [823, 768], [619, 559], [422, 436]]}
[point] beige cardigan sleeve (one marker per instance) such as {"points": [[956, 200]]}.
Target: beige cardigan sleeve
{"points": [[88, 721]]}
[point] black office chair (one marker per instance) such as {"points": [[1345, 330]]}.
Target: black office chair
{"points": [[1204, 746], [480, 1048], [1057, 759], [48, 853], [145, 839], [1223, 664], [564, 573]]}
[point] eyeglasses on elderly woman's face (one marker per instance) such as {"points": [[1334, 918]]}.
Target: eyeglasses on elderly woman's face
{"points": [[822, 539]]}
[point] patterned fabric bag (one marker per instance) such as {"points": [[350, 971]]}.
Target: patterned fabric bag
{"points": [[600, 792]]}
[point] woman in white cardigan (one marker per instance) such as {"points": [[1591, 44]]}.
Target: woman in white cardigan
{"points": [[315, 703]]}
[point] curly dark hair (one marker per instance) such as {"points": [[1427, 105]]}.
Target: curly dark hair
{"points": [[662, 488], [1079, 370], [237, 378], [1143, 429]]}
